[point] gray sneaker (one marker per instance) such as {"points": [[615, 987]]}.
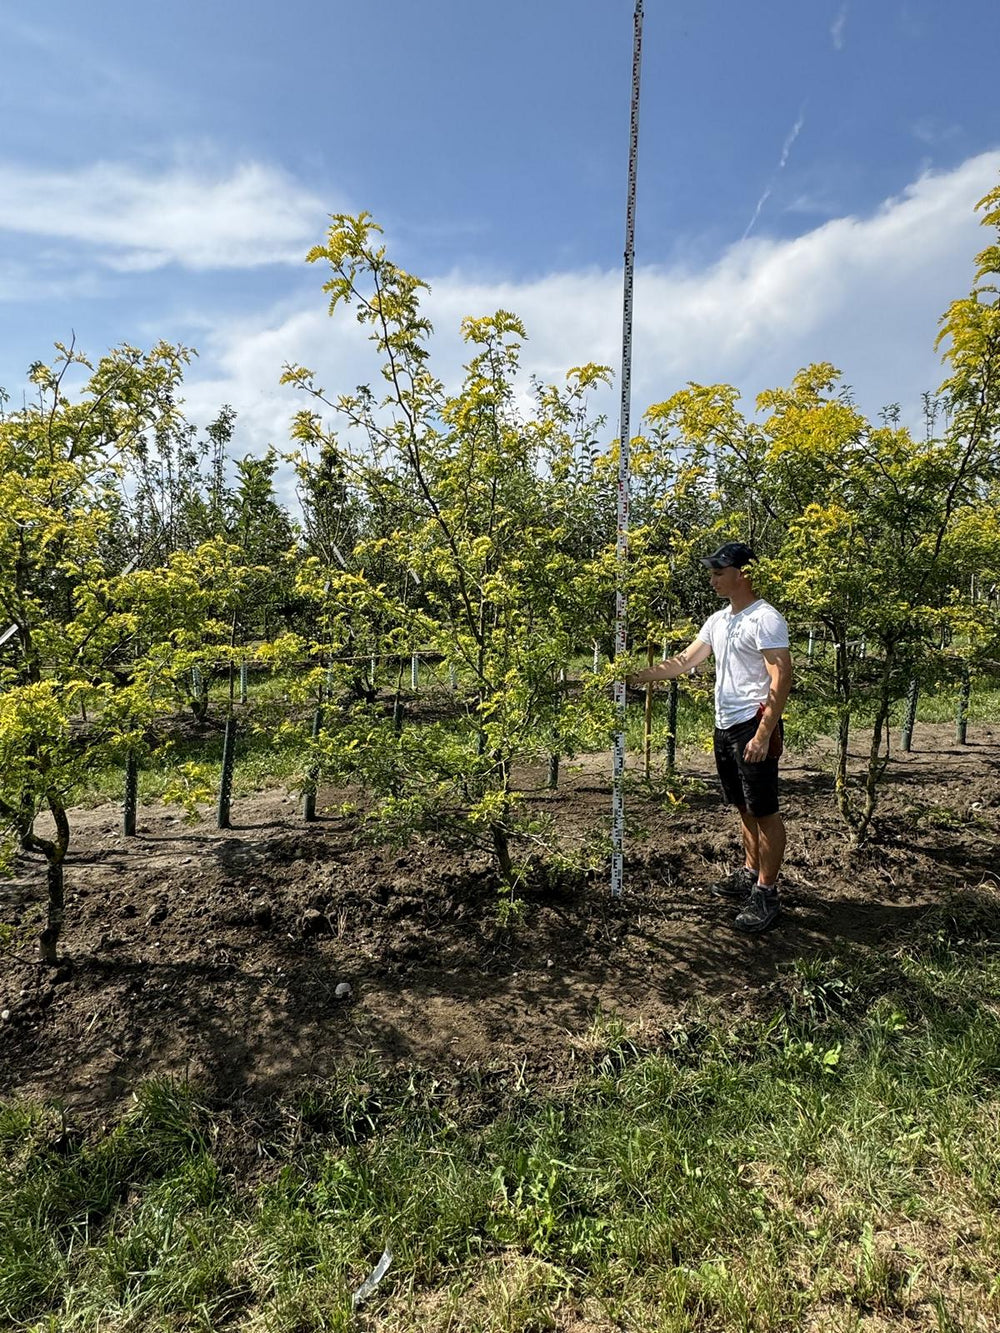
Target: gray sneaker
{"points": [[737, 885], [760, 912]]}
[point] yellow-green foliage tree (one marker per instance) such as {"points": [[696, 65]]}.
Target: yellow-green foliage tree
{"points": [[482, 568], [60, 457], [82, 629]]}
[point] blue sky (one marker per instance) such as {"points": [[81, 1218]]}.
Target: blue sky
{"points": [[808, 170]]}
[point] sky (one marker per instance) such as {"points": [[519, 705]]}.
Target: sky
{"points": [[808, 171]]}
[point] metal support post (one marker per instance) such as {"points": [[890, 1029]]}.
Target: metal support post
{"points": [[910, 715]]}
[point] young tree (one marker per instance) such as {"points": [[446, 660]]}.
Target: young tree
{"points": [[482, 544], [59, 461]]}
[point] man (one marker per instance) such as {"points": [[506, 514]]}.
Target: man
{"points": [[753, 676]]}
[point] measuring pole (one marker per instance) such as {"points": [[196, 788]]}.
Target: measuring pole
{"points": [[621, 628]]}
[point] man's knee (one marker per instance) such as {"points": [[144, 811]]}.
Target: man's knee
{"points": [[772, 823]]}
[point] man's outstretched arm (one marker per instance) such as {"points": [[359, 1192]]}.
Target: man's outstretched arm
{"points": [[671, 667]]}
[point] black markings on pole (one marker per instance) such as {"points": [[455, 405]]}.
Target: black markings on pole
{"points": [[226, 780]]}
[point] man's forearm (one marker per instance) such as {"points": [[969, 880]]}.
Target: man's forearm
{"points": [[774, 707], [669, 669]]}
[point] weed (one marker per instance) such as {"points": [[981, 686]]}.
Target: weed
{"points": [[11, 937], [822, 989]]}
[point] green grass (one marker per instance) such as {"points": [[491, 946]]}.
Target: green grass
{"points": [[941, 706], [261, 762], [834, 1161]]}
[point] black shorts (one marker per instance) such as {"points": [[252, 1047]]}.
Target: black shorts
{"points": [[752, 787]]}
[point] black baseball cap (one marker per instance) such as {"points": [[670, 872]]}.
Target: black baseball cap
{"points": [[729, 554]]}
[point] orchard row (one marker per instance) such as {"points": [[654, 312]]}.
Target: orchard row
{"points": [[136, 558]]}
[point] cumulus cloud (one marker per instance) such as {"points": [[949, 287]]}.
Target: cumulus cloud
{"points": [[142, 220], [863, 292]]}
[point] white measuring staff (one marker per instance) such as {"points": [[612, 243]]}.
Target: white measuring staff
{"points": [[621, 608]]}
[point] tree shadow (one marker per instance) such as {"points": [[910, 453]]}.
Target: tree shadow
{"points": [[259, 1016]]}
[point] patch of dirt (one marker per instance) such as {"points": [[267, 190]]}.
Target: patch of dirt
{"points": [[217, 954]]}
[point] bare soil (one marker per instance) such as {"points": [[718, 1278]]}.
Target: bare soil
{"points": [[217, 954]]}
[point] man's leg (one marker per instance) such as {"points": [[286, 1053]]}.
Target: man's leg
{"points": [[751, 841], [771, 844], [760, 784], [738, 883]]}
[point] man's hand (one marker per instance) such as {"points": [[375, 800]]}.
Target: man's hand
{"points": [[755, 750]]}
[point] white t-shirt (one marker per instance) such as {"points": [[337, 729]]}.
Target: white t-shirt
{"points": [[741, 680]]}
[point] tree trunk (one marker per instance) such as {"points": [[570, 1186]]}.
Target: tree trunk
{"points": [[397, 703], [962, 711], [55, 854], [553, 778], [843, 682], [312, 781], [131, 796], [840, 771], [876, 767], [25, 823], [501, 846], [48, 941], [647, 718]]}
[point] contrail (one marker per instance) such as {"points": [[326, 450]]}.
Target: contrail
{"points": [[786, 149], [839, 24]]}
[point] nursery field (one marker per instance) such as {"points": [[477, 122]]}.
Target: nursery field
{"points": [[215, 954]]}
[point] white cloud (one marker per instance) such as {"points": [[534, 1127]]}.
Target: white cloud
{"points": [[864, 293], [30, 282], [138, 220]]}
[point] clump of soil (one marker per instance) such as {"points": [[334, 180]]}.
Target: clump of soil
{"points": [[268, 954]]}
